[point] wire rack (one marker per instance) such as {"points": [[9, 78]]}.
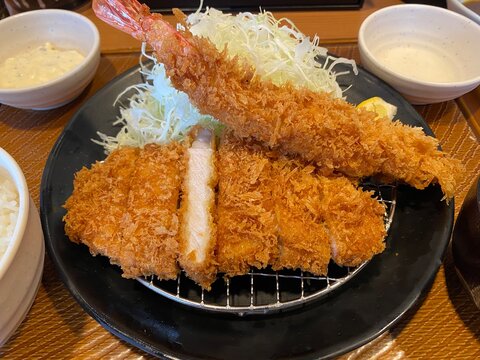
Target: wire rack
{"points": [[266, 291]]}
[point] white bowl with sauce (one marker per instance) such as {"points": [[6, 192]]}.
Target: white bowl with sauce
{"points": [[23, 34], [427, 53], [21, 262]]}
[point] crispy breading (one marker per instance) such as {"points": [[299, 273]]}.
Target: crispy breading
{"points": [[246, 225], [253, 209], [272, 210], [98, 203], [314, 218], [319, 128], [197, 227], [150, 225], [303, 241], [354, 219], [126, 209], [326, 217]]}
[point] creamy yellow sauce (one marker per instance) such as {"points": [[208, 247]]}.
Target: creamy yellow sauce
{"points": [[37, 66]]}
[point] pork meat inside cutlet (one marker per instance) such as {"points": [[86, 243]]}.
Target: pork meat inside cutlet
{"points": [[150, 225], [303, 241], [246, 228], [98, 203], [197, 234]]}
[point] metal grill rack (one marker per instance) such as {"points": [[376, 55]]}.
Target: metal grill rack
{"points": [[267, 291]]}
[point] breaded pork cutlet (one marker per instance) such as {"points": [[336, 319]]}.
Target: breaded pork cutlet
{"points": [[302, 239], [151, 224], [98, 202], [126, 209], [354, 219], [197, 229], [309, 218], [246, 224], [271, 210]]}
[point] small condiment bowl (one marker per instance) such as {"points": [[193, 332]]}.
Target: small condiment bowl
{"points": [[21, 265], [65, 30], [429, 54]]}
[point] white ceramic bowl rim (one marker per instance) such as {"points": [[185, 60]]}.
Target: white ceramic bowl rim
{"points": [[466, 9], [92, 52], [438, 85], [16, 174]]}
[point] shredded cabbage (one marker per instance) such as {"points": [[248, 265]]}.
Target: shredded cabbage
{"points": [[276, 49], [157, 113]]}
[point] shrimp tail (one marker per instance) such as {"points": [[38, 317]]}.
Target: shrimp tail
{"points": [[135, 19], [123, 15]]}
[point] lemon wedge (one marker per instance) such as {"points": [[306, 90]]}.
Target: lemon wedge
{"points": [[378, 105]]}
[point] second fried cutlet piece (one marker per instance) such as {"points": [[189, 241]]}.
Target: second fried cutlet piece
{"points": [[354, 220], [246, 226], [150, 225], [98, 202], [303, 241], [197, 228]]}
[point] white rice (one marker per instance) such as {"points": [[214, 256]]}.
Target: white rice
{"points": [[8, 212]]}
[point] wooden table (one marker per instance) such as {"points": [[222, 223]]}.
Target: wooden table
{"points": [[445, 324]]}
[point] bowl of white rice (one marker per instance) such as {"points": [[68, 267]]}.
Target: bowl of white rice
{"points": [[21, 247]]}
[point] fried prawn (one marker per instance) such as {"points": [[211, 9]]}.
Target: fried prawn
{"points": [[319, 128]]}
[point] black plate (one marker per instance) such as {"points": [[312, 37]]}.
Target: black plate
{"points": [[354, 314]]}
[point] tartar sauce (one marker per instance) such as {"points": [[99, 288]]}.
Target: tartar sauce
{"points": [[419, 62], [37, 66]]}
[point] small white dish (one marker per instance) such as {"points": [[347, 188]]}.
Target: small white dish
{"points": [[427, 53], [65, 29], [459, 7], [21, 265]]}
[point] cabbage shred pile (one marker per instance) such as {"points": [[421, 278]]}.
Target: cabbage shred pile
{"points": [[276, 49], [158, 113]]}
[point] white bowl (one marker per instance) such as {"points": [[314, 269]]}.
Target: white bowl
{"points": [[459, 7], [427, 53], [63, 28], [21, 265]]}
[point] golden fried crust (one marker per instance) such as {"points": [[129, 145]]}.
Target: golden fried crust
{"points": [[98, 203], [303, 241], [314, 219], [246, 225], [354, 220], [150, 225], [330, 132]]}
